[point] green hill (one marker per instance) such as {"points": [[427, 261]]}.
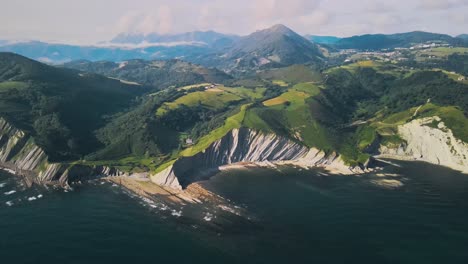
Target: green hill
{"points": [[86, 117], [159, 74], [60, 107]]}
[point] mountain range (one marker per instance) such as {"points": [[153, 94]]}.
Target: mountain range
{"points": [[278, 45], [403, 40], [209, 38]]}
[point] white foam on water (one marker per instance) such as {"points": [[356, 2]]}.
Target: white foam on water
{"points": [[115, 185], [9, 203], [176, 213], [10, 192], [32, 198], [163, 207], [40, 196], [3, 184], [208, 217], [230, 209], [8, 170]]}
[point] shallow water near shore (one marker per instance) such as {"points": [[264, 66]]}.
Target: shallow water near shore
{"points": [[416, 213]]}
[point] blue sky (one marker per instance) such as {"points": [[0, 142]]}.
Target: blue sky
{"points": [[91, 21]]}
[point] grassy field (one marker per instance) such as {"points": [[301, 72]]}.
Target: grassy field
{"points": [[214, 99], [246, 93], [12, 85], [290, 115], [295, 96], [441, 52], [280, 83], [188, 87], [452, 116], [231, 123]]}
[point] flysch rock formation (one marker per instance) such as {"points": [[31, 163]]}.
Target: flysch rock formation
{"points": [[435, 145], [19, 154], [246, 146]]}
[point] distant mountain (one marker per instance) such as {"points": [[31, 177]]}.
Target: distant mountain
{"points": [[60, 53], [381, 41], [210, 38], [274, 47], [323, 39], [160, 74], [463, 36]]}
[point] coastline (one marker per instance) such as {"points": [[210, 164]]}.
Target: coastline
{"points": [[409, 158], [195, 193]]}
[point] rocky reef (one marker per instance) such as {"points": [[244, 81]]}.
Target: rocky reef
{"points": [[246, 146], [428, 139]]}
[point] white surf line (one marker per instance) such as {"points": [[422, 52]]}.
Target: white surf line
{"points": [[389, 163], [8, 170], [10, 192]]}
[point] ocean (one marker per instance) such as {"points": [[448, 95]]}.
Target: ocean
{"points": [[410, 212]]}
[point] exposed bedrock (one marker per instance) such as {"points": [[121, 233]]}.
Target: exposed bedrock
{"points": [[427, 143], [244, 145], [21, 156]]}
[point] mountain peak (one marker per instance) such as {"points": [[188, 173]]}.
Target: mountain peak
{"points": [[279, 28]]}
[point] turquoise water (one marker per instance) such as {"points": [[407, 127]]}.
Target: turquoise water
{"points": [[292, 216]]}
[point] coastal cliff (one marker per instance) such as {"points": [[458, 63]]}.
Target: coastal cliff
{"points": [[21, 156], [246, 146], [428, 139]]}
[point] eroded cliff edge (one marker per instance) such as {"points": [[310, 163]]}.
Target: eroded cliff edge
{"points": [[247, 146], [428, 139], [21, 156]]}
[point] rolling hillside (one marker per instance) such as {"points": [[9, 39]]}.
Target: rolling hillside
{"points": [[159, 74], [61, 108]]}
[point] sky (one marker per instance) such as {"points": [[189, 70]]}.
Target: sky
{"points": [[93, 21]]}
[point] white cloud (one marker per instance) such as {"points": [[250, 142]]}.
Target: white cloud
{"points": [[158, 21], [90, 21], [442, 4]]}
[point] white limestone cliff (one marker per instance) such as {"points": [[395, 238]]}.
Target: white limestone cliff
{"points": [[246, 146], [427, 143]]}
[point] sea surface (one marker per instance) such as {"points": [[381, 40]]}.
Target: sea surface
{"points": [[410, 212]]}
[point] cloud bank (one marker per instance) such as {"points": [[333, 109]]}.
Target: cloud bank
{"points": [[92, 21]]}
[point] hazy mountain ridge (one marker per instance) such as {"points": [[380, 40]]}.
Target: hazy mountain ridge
{"points": [[60, 53], [323, 39], [209, 38], [463, 36], [403, 40]]}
